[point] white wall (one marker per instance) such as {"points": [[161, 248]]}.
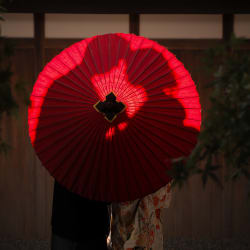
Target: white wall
{"points": [[84, 25], [242, 25], [17, 25], [152, 26], [181, 26]]}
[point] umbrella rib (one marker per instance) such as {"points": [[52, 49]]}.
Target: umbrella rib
{"points": [[108, 170], [61, 99], [53, 115], [177, 137], [70, 141], [92, 131], [131, 104], [170, 124], [123, 63], [109, 56], [71, 80], [127, 93], [94, 62], [165, 115], [69, 153], [149, 65], [56, 123], [62, 138], [138, 158], [113, 169], [181, 88], [86, 155], [117, 57], [86, 137], [97, 152], [80, 78], [171, 108], [142, 59], [51, 125], [176, 90], [94, 142], [58, 106], [139, 131], [135, 55], [60, 92], [63, 84], [92, 74], [165, 83], [60, 130], [130, 65], [102, 63], [167, 108], [152, 141], [156, 79], [130, 162], [89, 69], [122, 165], [169, 99]]}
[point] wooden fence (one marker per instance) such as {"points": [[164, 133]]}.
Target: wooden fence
{"points": [[26, 187]]}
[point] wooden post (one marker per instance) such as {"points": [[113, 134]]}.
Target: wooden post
{"points": [[228, 191], [39, 41], [43, 184], [228, 26], [134, 23]]}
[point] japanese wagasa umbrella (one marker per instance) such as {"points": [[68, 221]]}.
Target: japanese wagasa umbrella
{"points": [[109, 113]]}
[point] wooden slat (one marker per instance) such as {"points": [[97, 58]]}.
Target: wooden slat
{"points": [[39, 26], [179, 44], [24, 197], [134, 23], [43, 185], [57, 43], [228, 26], [20, 43], [189, 44]]}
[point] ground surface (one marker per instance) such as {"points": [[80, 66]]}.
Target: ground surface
{"points": [[178, 244]]}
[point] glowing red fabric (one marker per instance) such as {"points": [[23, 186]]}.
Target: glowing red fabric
{"points": [[127, 158]]}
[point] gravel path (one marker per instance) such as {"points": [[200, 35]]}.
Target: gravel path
{"points": [[178, 244]]}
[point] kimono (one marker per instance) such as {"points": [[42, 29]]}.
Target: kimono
{"points": [[137, 224]]}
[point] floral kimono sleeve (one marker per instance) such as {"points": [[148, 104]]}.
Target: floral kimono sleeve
{"points": [[137, 224]]}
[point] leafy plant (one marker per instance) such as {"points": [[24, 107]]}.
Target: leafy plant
{"points": [[225, 130], [9, 90]]}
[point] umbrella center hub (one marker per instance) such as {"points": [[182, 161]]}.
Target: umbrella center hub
{"points": [[110, 107]]}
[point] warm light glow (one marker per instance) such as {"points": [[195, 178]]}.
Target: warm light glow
{"points": [[139, 42], [59, 66], [110, 133], [185, 92], [122, 125], [116, 81]]}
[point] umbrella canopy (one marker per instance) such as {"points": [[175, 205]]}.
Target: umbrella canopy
{"points": [[109, 113]]}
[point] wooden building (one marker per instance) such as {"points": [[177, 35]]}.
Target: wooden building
{"points": [[41, 29]]}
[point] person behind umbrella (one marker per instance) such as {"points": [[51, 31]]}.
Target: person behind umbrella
{"points": [[78, 223]]}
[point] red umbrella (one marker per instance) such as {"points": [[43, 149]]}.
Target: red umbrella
{"points": [[109, 113]]}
